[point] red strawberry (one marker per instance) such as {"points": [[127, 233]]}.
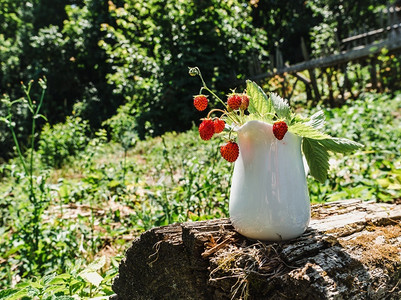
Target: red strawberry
{"points": [[280, 129], [200, 102], [244, 102], [219, 125], [234, 101], [230, 151], [206, 129]]}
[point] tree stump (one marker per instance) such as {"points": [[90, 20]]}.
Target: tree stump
{"points": [[350, 251]]}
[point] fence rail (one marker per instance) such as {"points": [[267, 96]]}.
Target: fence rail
{"points": [[363, 46]]}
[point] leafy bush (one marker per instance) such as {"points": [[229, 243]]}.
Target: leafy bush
{"points": [[63, 141], [136, 52], [389, 76], [122, 127], [80, 281], [339, 20], [373, 173], [151, 44], [56, 39]]}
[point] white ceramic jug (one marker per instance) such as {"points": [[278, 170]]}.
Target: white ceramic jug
{"points": [[269, 197]]}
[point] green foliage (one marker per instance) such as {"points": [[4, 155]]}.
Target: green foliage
{"points": [[87, 61], [316, 144], [368, 174], [96, 202], [30, 228], [97, 56], [316, 152], [281, 107], [307, 131], [62, 142], [389, 76], [324, 40], [317, 158], [10, 17], [339, 20], [80, 281], [285, 22], [261, 106], [340, 145], [122, 128], [153, 42], [102, 55], [59, 40]]}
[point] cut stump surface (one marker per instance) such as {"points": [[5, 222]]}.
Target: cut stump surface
{"points": [[352, 250]]}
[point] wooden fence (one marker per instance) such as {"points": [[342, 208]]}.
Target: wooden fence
{"points": [[362, 48]]}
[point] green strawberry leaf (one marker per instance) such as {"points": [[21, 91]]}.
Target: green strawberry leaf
{"points": [[259, 103], [317, 120], [97, 264], [281, 107], [340, 145], [92, 277], [14, 294], [317, 158], [306, 130], [297, 118]]}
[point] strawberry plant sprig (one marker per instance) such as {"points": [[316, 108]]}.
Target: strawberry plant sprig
{"points": [[34, 183], [254, 104]]}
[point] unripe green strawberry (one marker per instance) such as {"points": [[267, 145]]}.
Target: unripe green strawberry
{"points": [[230, 151], [206, 129], [234, 101], [200, 102], [280, 129], [244, 102], [193, 71], [219, 125]]}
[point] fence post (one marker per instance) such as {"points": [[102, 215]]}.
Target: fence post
{"points": [[311, 72]]}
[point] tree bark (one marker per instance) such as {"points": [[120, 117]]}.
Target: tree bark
{"points": [[350, 251]]}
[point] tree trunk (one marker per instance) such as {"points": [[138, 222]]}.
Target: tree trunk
{"points": [[350, 251]]}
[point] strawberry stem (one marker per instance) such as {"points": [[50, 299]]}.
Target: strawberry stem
{"points": [[197, 70], [232, 116], [212, 93], [229, 135], [216, 109]]}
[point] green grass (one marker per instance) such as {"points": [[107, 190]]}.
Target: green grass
{"points": [[374, 173], [97, 204]]}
